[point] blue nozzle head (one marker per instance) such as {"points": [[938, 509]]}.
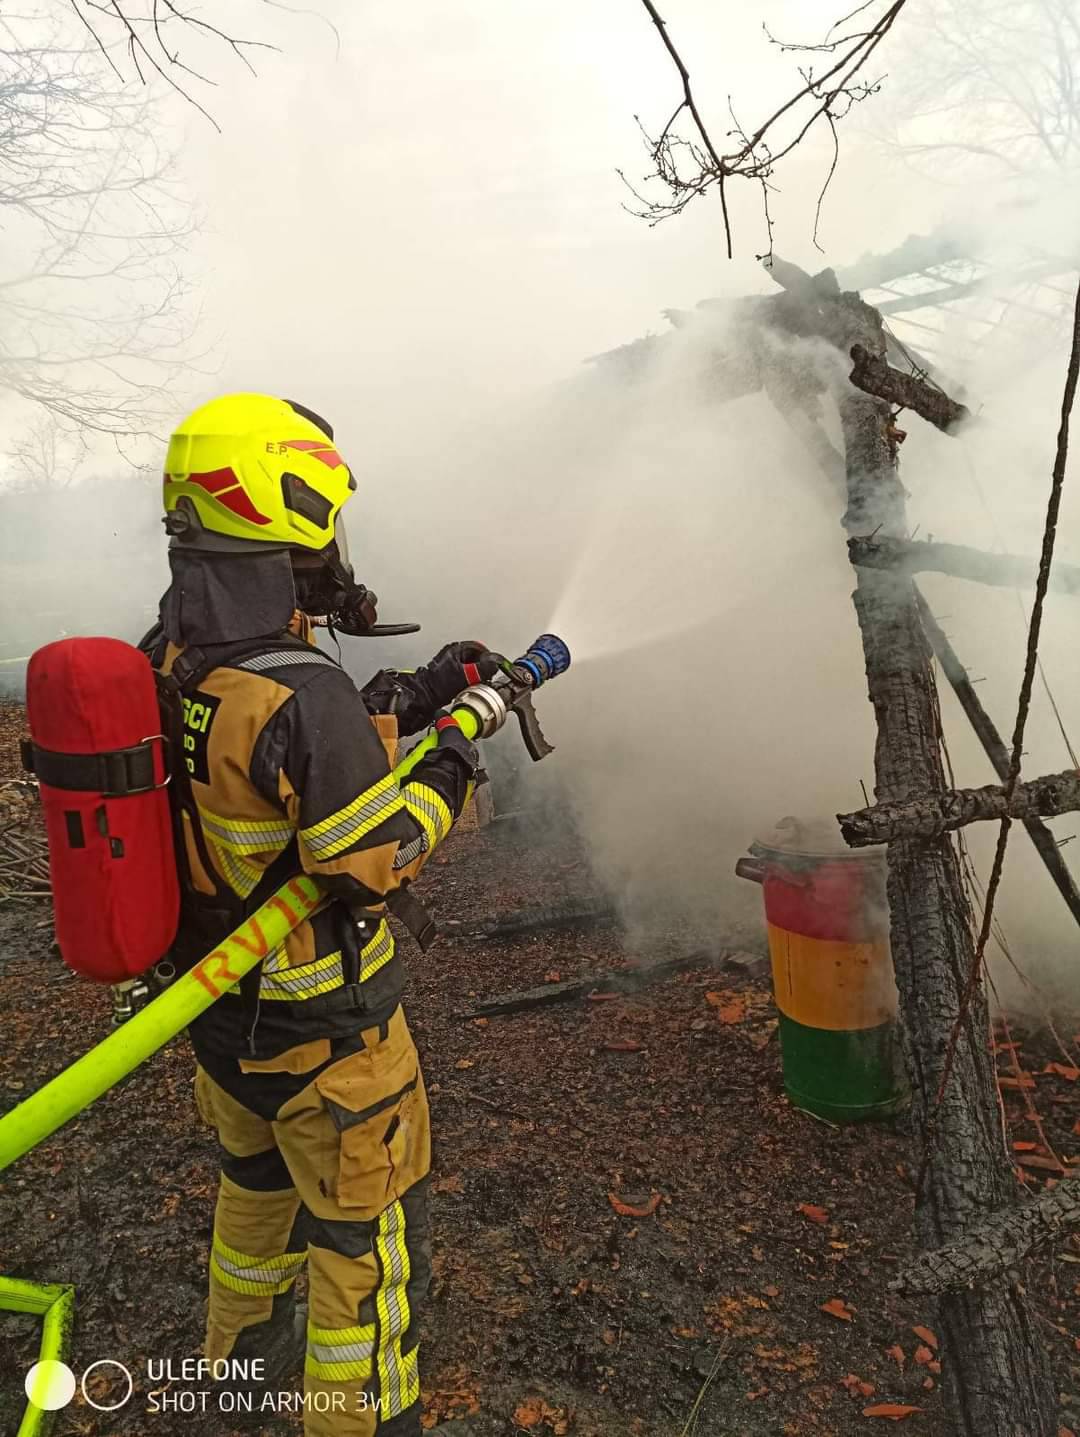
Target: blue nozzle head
{"points": [[547, 657]]}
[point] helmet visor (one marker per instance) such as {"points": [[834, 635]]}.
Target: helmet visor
{"points": [[341, 541]]}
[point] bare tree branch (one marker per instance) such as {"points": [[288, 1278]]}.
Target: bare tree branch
{"points": [[689, 167]]}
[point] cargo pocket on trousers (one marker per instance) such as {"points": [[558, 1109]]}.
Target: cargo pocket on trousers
{"points": [[203, 1098], [385, 1136]]}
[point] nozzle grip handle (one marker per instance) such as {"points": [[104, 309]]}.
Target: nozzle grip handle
{"points": [[531, 733]]}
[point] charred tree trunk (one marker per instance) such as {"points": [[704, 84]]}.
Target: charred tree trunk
{"points": [[996, 1375]]}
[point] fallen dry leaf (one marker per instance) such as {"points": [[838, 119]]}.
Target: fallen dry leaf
{"points": [[896, 1352], [610, 998], [730, 1008], [894, 1411], [535, 1410], [856, 1386], [1035, 1160], [463, 1063], [1025, 1147], [814, 1213], [927, 1335], [837, 1307], [923, 1355], [1063, 1070], [629, 1210], [1024, 1080]]}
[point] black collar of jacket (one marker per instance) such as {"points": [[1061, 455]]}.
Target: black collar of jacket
{"points": [[222, 599]]}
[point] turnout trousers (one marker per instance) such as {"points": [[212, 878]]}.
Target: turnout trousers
{"points": [[335, 1178]]}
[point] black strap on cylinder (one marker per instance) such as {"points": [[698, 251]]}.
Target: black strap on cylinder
{"points": [[117, 773]]}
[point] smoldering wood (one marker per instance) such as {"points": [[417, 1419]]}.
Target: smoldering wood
{"points": [[994, 746], [997, 1376], [921, 556], [630, 980], [874, 375], [991, 1249], [574, 913], [938, 813]]}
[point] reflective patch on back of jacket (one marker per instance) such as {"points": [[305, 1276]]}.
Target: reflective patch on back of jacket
{"points": [[199, 714]]}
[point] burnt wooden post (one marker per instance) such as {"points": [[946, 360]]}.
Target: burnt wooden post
{"points": [[996, 1374]]}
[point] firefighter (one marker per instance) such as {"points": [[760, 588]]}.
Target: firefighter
{"points": [[308, 1073]]}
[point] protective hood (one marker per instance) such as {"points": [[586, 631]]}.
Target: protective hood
{"points": [[223, 598]]}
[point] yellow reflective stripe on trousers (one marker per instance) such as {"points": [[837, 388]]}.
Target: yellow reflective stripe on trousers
{"points": [[348, 825], [253, 1275], [340, 1354], [243, 835], [429, 809], [398, 1374], [282, 982]]}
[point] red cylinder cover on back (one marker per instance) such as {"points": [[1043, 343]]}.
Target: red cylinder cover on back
{"points": [[116, 894]]}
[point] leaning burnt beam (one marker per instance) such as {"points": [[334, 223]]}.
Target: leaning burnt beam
{"points": [[874, 375], [993, 1247], [924, 556], [994, 746], [938, 813]]}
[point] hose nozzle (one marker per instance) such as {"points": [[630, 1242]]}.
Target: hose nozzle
{"points": [[545, 658]]}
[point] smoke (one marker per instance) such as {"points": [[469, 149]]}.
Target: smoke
{"points": [[690, 552], [433, 294]]}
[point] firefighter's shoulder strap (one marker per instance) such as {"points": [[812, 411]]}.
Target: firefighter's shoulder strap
{"points": [[213, 915]]}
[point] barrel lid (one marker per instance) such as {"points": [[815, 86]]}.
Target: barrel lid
{"points": [[811, 838]]}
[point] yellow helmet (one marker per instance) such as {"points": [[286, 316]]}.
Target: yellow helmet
{"points": [[257, 470]]}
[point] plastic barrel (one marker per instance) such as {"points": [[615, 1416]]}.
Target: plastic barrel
{"points": [[833, 982]]}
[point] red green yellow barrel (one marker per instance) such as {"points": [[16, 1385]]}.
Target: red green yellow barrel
{"points": [[828, 928]]}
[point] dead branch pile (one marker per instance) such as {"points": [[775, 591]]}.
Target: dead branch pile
{"points": [[24, 854]]}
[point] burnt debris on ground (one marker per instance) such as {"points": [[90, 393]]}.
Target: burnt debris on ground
{"points": [[634, 1231]]}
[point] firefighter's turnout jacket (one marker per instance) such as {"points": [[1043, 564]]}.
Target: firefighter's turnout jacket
{"points": [[282, 754]]}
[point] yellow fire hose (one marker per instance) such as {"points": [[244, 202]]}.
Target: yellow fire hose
{"points": [[55, 1305]]}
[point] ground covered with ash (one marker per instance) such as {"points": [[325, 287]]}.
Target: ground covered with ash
{"points": [[635, 1233]]}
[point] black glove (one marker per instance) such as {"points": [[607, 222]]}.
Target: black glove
{"points": [[414, 697], [454, 668]]}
